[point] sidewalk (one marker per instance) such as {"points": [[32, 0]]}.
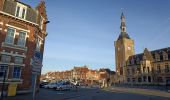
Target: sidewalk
{"points": [[139, 91]]}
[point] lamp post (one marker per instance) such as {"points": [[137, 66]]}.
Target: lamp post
{"points": [[3, 84]]}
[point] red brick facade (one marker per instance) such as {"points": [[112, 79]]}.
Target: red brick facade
{"points": [[33, 31]]}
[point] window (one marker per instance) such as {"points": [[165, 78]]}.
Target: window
{"points": [[165, 56], [148, 69], [157, 57], [128, 72], [138, 61], [5, 58], [10, 36], [139, 79], [158, 68], [138, 70], [23, 13], [144, 78], [167, 68], [22, 39], [16, 72], [133, 79], [149, 78], [132, 61], [20, 11], [133, 71], [128, 79], [2, 70], [17, 12], [19, 60], [160, 79], [144, 69], [38, 44]]}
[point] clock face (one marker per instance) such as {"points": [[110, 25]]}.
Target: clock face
{"points": [[129, 48]]}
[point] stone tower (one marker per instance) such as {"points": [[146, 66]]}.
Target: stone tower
{"points": [[124, 47]]}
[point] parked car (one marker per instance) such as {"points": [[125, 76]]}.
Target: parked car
{"points": [[51, 85], [42, 84], [64, 86]]}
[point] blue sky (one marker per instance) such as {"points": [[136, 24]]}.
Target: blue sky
{"points": [[82, 32]]}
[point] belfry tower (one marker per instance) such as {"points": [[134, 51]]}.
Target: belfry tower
{"points": [[124, 47]]}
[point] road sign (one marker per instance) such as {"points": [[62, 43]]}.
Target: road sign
{"points": [[37, 62]]}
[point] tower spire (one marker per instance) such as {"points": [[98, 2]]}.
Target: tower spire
{"points": [[123, 33], [123, 25]]}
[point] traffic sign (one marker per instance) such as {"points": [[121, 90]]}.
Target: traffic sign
{"points": [[37, 62]]}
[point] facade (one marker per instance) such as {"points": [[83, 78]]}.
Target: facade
{"points": [[149, 67], [79, 73], [82, 75], [22, 32]]}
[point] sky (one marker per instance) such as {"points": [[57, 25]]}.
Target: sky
{"points": [[82, 32]]}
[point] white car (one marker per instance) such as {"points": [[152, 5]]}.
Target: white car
{"points": [[50, 86], [64, 86]]}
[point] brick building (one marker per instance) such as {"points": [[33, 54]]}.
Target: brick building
{"points": [[79, 73], [22, 32], [149, 67]]}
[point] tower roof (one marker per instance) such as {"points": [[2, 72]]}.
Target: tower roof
{"points": [[123, 35]]}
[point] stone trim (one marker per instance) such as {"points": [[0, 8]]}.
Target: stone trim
{"points": [[14, 46], [18, 28], [12, 64], [11, 54]]}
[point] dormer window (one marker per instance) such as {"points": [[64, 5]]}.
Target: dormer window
{"points": [[21, 11], [157, 57], [165, 56]]}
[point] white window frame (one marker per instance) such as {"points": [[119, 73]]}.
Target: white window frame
{"points": [[18, 60], [24, 38], [21, 10], [19, 72], [4, 58], [7, 35]]}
